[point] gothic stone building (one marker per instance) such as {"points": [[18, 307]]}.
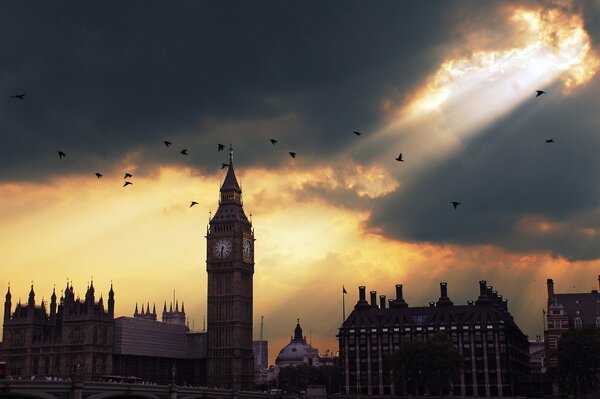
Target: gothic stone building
{"points": [[493, 348], [230, 269], [566, 311], [74, 338]]}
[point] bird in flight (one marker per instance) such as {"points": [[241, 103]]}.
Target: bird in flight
{"points": [[357, 133], [193, 203], [220, 147], [127, 183], [98, 175], [61, 155], [539, 92], [550, 141], [167, 143], [455, 204], [273, 141], [184, 151], [19, 96], [127, 175], [224, 165], [292, 154], [399, 159]]}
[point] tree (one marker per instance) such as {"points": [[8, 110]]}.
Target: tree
{"points": [[426, 367], [578, 358]]}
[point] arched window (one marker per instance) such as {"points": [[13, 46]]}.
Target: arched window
{"points": [[578, 323]]}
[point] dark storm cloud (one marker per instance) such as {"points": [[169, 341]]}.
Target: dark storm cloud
{"points": [[111, 78], [516, 191]]}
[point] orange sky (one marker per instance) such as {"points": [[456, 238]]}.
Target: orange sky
{"points": [[311, 238]]}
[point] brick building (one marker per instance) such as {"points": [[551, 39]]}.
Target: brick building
{"points": [[493, 348], [566, 311]]}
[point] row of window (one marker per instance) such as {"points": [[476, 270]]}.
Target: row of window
{"points": [[429, 328]]}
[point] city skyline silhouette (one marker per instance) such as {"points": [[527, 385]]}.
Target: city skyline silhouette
{"points": [[117, 121]]}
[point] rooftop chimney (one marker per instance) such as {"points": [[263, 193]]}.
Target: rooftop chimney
{"points": [[484, 293], [482, 288], [550, 287], [373, 298], [444, 300], [362, 301], [399, 302], [444, 290], [382, 301]]}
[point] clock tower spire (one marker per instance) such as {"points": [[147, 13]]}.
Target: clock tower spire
{"points": [[230, 269]]}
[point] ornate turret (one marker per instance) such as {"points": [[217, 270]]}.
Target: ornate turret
{"points": [[89, 295], [7, 305], [111, 301], [31, 301], [53, 303]]}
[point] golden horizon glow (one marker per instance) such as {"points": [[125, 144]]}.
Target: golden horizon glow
{"points": [[310, 220], [147, 240]]}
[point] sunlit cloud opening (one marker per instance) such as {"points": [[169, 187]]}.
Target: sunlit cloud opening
{"points": [[468, 93]]}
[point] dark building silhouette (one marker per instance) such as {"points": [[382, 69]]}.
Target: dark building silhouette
{"points": [[493, 348], [566, 311], [73, 338], [230, 268], [80, 339]]}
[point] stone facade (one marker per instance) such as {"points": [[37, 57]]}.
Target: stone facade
{"points": [[73, 339], [230, 269], [493, 348]]}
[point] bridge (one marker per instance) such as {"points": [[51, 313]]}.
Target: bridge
{"points": [[33, 389]]}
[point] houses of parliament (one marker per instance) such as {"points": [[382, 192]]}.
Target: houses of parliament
{"points": [[82, 338]]}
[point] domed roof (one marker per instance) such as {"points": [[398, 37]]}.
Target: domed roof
{"points": [[298, 350]]}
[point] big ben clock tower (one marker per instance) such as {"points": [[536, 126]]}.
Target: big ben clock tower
{"points": [[230, 268]]}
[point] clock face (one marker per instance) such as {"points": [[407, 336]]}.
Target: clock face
{"points": [[222, 248], [247, 249]]}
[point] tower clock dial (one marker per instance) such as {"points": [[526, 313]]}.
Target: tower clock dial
{"points": [[222, 248], [247, 249]]}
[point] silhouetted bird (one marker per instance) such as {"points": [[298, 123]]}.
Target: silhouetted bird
{"points": [[193, 203], [220, 147], [127, 175], [167, 143], [455, 204], [273, 141], [61, 155], [399, 159], [357, 133], [224, 165], [19, 96], [539, 93], [98, 175], [550, 141], [293, 154], [127, 183], [184, 151]]}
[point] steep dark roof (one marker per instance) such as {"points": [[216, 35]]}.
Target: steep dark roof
{"points": [[587, 303]]}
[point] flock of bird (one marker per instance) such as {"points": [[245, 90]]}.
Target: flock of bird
{"points": [[221, 147]]}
